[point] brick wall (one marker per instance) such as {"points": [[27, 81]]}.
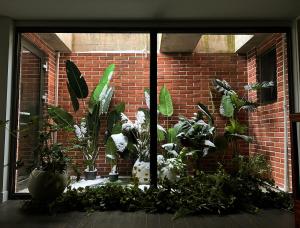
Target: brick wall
{"points": [[130, 79], [29, 103], [189, 80], [267, 123]]}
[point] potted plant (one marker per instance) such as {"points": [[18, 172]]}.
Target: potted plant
{"points": [[196, 135], [133, 138], [87, 129], [49, 179]]}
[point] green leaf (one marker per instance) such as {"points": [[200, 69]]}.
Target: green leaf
{"points": [[259, 85], [222, 87], [104, 81], [165, 102], [76, 80], [161, 133], [247, 138], [73, 97], [110, 150], [61, 116], [226, 107], [120, 107], [171, 135], [112, 119], [235, 127], [206, 112], [105, 102]]}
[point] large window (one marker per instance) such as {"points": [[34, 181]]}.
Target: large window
{"points": [[165, 105]]}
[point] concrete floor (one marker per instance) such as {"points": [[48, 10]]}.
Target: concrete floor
{"points": [[11, 216]]}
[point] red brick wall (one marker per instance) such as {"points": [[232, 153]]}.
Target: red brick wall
{"points": [[50, 58], [130, 79], [267, 123], [189, 80], [29, 103]]}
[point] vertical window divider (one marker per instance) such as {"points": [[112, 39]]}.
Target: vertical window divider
{"points": [[153, 109]]}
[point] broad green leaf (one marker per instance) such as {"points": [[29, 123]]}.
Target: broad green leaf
{"points": [[120, 107], [161, 133], [61, 116], [171, 135], [112, 118], [104, 81], [110, 150], [105, 102], [76, 80], [73, 97], [226, 107], [222, 86], [165, 102]]}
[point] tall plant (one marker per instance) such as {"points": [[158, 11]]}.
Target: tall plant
{"points": [[231, 105], [87, 129]]}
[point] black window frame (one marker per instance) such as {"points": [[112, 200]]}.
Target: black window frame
{"points": [[153, 28], [262, 94]]}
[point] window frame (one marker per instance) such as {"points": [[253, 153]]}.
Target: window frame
{"points": [[152, 28], [260, 76]]}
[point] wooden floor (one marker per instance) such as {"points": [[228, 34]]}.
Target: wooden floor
{"points": [[10, 216]]}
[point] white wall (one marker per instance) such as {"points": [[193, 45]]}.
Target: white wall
{"points": [[6, 55]]}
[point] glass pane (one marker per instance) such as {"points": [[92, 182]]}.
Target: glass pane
{"points": [[108, 139], [188, 66], [29, 107]]}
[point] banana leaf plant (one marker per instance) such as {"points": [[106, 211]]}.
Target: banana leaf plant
{"points": [[231, 104], [86, 129]]}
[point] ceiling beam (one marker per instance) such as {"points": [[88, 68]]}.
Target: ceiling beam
{"points": [[179, 42]]}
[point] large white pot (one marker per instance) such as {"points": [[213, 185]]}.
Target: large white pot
{"points": [[46, 186], [141, 171]]}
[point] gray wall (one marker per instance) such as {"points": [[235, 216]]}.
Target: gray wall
{"points": [[6, 53]]}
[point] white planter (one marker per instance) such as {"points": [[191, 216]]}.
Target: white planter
{"points": [[141, 171], [167, 173]]}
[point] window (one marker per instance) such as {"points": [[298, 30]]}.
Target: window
{"points": [[268, 72]]}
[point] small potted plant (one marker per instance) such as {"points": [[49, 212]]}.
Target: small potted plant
{"points": [[49, 179]]}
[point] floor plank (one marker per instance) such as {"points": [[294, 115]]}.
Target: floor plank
{"points": [[11, 216]]}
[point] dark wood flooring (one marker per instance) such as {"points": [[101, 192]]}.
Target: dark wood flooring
{"points": [[11, 216]]}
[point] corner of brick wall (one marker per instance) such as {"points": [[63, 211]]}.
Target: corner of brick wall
{"points": [[267, 123]]}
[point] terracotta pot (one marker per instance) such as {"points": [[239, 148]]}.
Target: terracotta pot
{"points": [[141, 171], [46, 186]]}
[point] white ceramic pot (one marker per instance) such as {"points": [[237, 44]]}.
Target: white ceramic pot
{"points": [[141, 171], [167, 173]]}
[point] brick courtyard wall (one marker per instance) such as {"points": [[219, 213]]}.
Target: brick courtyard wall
{"points": [[267, 123], [130, 79], [189, 80]]}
